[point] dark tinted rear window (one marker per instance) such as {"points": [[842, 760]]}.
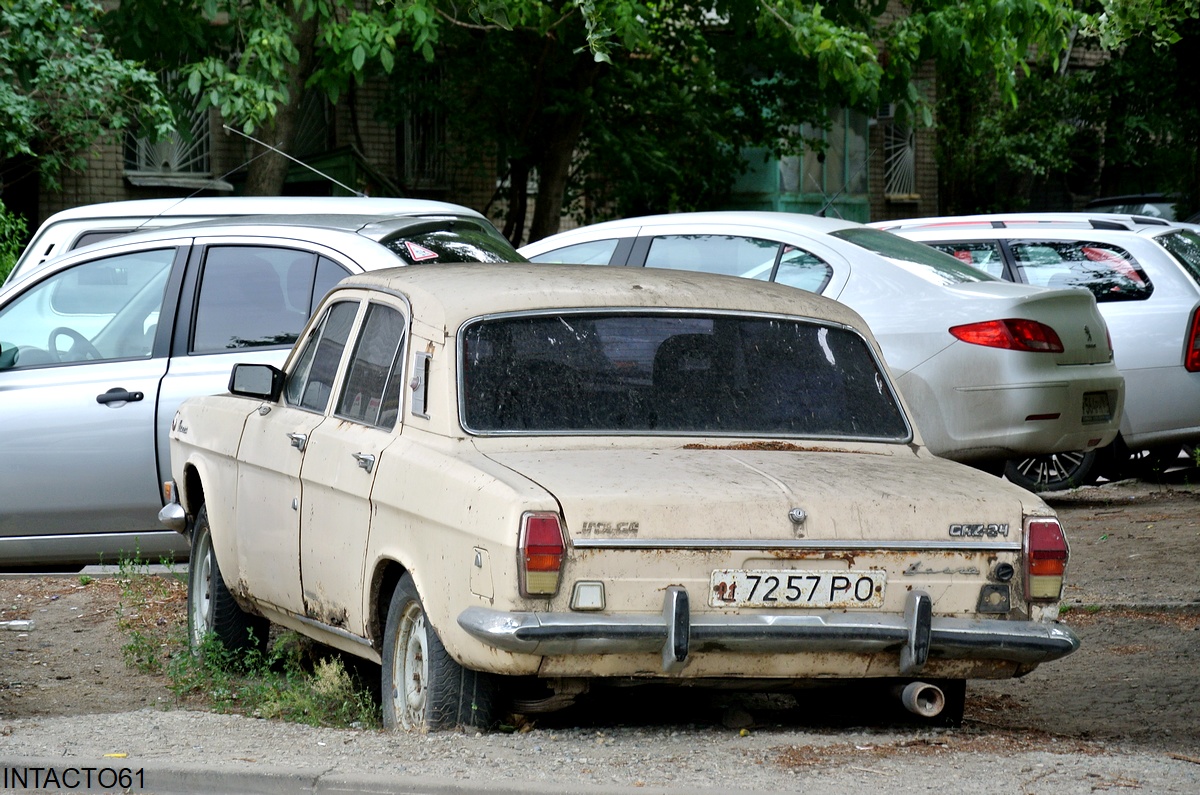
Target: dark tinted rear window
{"points": [[635, 372]]}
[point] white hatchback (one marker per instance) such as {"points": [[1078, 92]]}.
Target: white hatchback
{"points": [[993, 371], [1145, 276]]}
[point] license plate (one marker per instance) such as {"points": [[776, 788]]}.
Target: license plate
{"points": [[1095, 407], [754, 588]]}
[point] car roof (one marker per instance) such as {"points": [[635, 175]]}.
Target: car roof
{"points": [[350, 234], [447, 295], [257, 205], [797, 222], [1084, 221]]}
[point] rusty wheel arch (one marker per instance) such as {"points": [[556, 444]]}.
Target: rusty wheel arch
{"points": [[386, 576]]}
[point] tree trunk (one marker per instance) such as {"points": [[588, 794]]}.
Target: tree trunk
{"points": [[556, 142], [266, 174]]}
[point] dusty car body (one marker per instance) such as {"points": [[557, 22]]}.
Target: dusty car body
{"points": [[515, 482]]}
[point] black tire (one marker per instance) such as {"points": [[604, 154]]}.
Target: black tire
{"points": [[1150, 464], [211, 608], [1054, 472], [423, 686]]}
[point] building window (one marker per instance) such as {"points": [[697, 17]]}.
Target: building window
{"points": [[182, 159], [421, 137], [899, 157], [837, 167]]}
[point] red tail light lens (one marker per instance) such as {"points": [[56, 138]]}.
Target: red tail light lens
{"points": [[1191, 359], [1017, 334], [540, 553], [1046, 554]]}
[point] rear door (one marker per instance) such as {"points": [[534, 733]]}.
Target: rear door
{"points": [[241, 302]]}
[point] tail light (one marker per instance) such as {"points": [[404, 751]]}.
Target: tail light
{"points": [[540, 552], [1191, 359], [1017, 334], [1046, 555]]}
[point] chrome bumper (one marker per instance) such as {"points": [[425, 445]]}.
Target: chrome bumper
{"points": [[915, 635]]}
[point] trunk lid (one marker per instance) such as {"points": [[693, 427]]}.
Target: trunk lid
{"points": [[750, 495]]}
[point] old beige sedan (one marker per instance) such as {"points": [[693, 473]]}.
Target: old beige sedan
{"points": [[511, 483]]}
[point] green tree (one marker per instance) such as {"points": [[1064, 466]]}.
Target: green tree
{"points": [[640, 104], [62, 88]]}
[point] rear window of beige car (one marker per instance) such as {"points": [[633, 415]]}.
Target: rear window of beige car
{"points": [[673, 373]]}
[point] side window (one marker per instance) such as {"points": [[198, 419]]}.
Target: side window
{"points": [[983, 254], [594, 252], [311, 380], [371, 393], [799, 268], [329, 273], [726, 254], [252, 297], [1110, 272], [101, 310]]}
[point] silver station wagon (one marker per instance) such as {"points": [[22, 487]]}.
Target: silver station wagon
{"points": [[512, 483]]}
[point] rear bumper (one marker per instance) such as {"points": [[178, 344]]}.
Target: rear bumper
{"points": [[915, 636]]}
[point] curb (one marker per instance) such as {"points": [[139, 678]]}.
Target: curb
{"points": [[18, 773]]}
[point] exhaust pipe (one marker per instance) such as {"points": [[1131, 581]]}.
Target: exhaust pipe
{"points": [[922, 698]]}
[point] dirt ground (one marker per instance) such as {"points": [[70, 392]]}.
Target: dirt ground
{"points": [[1133, 594]]}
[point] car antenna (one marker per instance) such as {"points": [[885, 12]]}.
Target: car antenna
{"points": [[357, 193]]}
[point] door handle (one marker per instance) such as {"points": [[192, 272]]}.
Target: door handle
{"points": [[298, 440], [118, 395], [365, 460]]}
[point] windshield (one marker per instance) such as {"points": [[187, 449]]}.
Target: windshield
{"points": [[916, 258], [1185, 247], [702, 374]]}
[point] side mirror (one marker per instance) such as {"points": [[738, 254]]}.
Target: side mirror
{"points": [[8, 356], [261, 381]]}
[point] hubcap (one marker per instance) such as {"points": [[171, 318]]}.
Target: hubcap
{"points": [[202, 592], [410, 668]]}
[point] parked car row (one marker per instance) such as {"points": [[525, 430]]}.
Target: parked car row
{"points": [[1145, 276], [546, 478]]}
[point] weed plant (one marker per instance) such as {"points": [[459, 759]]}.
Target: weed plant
{"points": [[294, 680]]}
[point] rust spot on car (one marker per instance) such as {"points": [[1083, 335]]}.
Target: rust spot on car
{"points": [[796, 554], [333, 615], [776, 446]]}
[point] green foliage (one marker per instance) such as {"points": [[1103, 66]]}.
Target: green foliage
{"points": [[293, 681], [13, 235], [62, 88], [1119, 21], [284, 684]]}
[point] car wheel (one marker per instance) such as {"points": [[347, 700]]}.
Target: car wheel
{"points": [[1053, 472], [423, 686], [211, 608], [1151, 463]]}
